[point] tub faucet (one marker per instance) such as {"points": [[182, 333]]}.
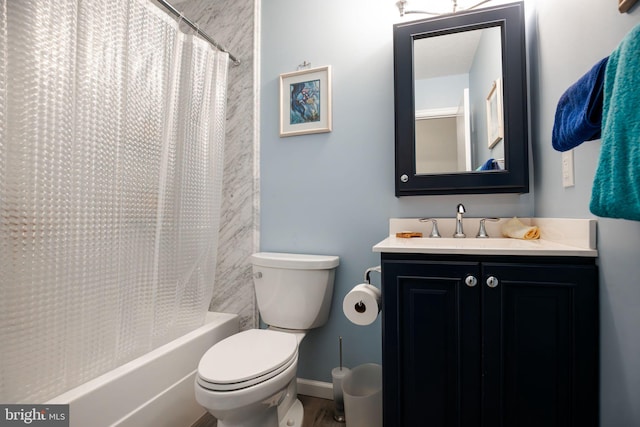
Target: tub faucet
{"points": [[459, 212]]}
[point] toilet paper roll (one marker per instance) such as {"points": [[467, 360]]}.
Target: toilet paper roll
{"points": [[362, 304]]}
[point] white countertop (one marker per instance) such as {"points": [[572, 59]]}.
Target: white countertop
{"points": [[559, 237]]}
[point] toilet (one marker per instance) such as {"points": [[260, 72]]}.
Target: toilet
{"points": [[249, 379]]}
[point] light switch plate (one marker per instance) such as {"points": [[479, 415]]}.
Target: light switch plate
{"points": [[568, 175]]}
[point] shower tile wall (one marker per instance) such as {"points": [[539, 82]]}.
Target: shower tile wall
{"points": [[231, 23]]}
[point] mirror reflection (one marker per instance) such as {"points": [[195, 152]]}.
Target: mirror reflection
{"points": [[458, 102]]}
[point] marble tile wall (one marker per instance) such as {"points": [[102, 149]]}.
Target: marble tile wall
{"points": [[233, 25]]}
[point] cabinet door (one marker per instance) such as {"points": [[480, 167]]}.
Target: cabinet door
{"points": [[540, 341], [431, 319]]}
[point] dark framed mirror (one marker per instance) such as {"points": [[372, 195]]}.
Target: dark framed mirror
{"points": [[461, 122]]}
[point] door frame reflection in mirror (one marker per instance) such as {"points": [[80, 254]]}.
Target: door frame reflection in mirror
{"points": [[515, 178]]}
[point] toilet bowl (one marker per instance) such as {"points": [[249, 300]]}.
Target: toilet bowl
{"points": [[243, 379], [249, 379]]}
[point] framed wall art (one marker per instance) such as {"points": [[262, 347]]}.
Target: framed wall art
{"points": [[495, 115], [305, 101]]}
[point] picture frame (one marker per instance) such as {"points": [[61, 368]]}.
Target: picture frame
{"points": [[305, 101], [495, 114]]}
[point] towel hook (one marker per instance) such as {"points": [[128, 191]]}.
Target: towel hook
{"points": [[625, 5]]}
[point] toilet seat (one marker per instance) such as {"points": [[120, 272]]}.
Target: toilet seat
{"points": [[246, 359]]}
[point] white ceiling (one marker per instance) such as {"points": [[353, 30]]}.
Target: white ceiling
{"points": [[445, 55]]}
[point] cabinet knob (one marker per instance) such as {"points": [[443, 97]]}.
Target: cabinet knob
{"points": [[471, 281], [492, 281]]}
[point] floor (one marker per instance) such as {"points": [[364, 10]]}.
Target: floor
{"points": [[317, 413]]}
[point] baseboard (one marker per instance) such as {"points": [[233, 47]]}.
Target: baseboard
{"points": [[314, 388]]}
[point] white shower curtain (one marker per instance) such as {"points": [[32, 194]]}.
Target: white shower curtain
{"points": [[111, 145]]}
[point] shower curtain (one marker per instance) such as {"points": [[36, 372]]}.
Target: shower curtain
{"points": [[111, 146]]}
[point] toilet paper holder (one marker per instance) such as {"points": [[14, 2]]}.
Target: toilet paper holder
{"points": [[367, 273], [360, 307], [362, 304]]}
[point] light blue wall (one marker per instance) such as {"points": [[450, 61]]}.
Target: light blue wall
{"points": [[333, 193], [572, 38], [440, 92], [486, 68]]}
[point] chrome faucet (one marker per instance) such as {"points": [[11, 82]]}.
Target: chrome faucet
{"points": [[459, 212]]}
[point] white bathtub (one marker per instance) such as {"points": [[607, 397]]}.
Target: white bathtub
{"points": [[156, 389]]}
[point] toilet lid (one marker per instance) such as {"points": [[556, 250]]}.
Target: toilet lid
{"points": [[247, 355]]}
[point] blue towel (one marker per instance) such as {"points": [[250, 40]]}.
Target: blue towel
{"points": [[489, 165], [616, 186], [579, 112]]}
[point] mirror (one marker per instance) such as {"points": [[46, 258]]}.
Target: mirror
{"points": [[453, 75], [461, 104]]}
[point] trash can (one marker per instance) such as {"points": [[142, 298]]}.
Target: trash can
{"points": [[362, 389]]}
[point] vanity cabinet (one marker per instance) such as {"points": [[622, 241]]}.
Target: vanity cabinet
{"points": [[493, 341]]}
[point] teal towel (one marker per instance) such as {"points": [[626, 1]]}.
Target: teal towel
{"points": [[616, 186]]}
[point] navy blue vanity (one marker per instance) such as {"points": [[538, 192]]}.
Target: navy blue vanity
{"points": [[479, 333]]}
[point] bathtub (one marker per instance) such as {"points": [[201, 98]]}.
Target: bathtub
{"points": [[156, 389]]}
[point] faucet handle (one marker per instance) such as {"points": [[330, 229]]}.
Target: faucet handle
{"points": [[434, 230], [482, 232]]}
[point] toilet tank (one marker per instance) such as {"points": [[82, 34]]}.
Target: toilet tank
{"points": [[294, 290]]}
